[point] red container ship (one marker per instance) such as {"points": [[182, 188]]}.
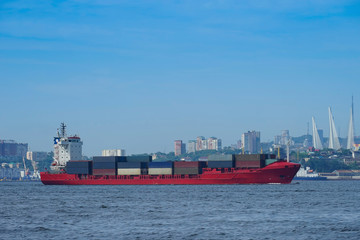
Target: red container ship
{"points": [[278, 172], [113, 170]]}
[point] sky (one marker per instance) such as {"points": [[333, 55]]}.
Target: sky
{"points": [[138, 75]]}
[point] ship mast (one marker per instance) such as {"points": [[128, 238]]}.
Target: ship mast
{"points": [[62, 130]]}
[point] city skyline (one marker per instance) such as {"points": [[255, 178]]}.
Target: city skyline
{"points": [[138, 75], [249, 143]]}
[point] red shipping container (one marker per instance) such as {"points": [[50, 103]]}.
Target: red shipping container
{"points": [[104, 172], [248, 164], [186, 164]]}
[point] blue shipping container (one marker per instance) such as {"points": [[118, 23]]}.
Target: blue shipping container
{"points": [[104, 165], [160, 164], [220, 164], [140, 158], [79, 164], [109, 159], [132, 165], [78, 170]]}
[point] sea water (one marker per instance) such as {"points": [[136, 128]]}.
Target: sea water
{"points": [[301, 210]]}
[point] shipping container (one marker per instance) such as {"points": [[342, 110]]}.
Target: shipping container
{"points": [[140, 158], [104, 171], [185, 171], [129, 171], [104, 165], [73, 170], [272, 156], [109, 159], [79, 164], [251, 157], [121, 159], [220, 164], [250, 164], [160, 171], [270, 161], [160, 165], [79, 167], [218, 157], [203, 165], [132, 165], [186, 164]]}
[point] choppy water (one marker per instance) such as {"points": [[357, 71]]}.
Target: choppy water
{"points": [[308, 210]]}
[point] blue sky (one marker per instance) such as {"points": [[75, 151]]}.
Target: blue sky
{"points": [[139, 74]]}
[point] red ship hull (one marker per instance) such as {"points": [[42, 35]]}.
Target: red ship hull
{"points": [[278, 172]]}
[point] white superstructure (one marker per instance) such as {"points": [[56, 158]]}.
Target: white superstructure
{"points": [[66, 148], [306, 172]]}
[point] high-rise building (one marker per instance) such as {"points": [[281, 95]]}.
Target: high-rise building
{"points": [[285, 136], [10, 148], [180, 147], [191, 146], [213, 143], [183, 148], [113, 152], [204, 144], [251, 142], [199, 143], [277, 140], [238, 144]]}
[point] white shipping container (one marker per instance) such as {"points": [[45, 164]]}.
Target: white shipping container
{"points": [[160, 171], [129, 171]]}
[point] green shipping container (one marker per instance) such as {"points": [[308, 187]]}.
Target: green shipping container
{"points": [[270, 161]]}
